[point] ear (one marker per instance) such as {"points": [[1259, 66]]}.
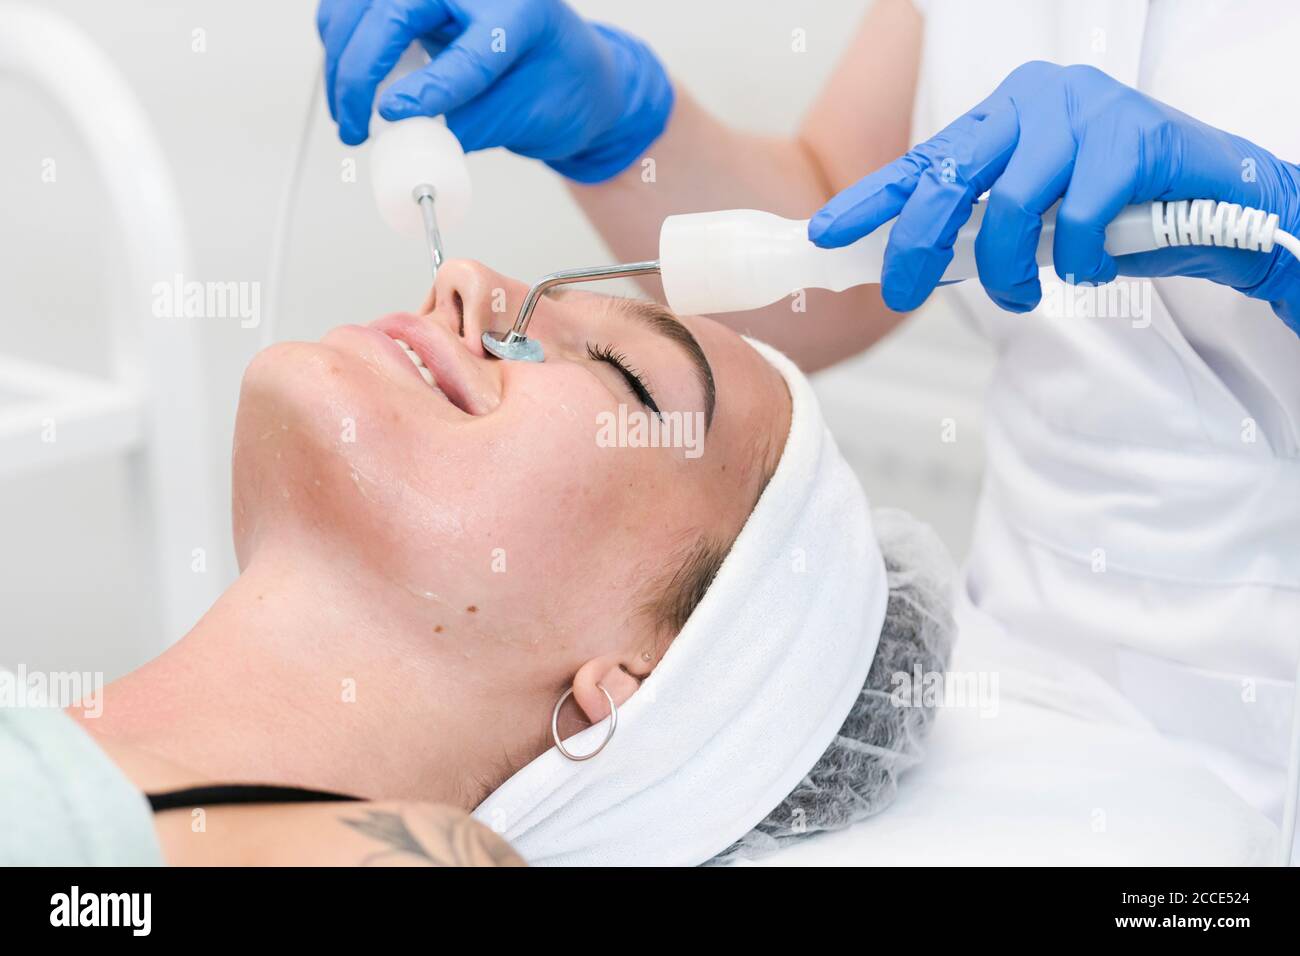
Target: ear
{"points": [[606, 672]]}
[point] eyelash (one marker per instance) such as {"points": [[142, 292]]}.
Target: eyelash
{"points": [[608, 355]]}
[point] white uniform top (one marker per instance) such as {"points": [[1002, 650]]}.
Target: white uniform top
{"points": [[1141, 505]]}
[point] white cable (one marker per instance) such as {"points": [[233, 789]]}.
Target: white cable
{"points": [[1288, 242], [1205, 222], [285, 213]]}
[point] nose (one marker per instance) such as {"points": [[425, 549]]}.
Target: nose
{"points": [[470, 299]]}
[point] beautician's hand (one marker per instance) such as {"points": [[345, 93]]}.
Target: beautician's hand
{"points": [[530, 75], [1075, 134]]}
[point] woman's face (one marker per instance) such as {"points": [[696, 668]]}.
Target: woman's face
{"points": [[503, 509]]}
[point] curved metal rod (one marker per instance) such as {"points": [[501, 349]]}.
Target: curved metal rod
{"points": [[546, 283]]}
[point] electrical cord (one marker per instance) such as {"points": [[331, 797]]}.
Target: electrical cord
{"points": [[1205, 222], [286, 210]]}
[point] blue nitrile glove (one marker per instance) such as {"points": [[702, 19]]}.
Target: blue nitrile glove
{"points": [[529, 75], [1071, 133]]}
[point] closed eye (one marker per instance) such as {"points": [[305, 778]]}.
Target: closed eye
{"points": [[608, 355]]}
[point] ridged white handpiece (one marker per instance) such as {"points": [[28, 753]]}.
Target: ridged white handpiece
{"points": [[739, 259]]}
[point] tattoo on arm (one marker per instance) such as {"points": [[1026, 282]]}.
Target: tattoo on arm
{"points": [[433, 836]]}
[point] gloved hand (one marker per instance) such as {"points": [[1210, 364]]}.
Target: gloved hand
{"points": [[1075, 134], [530, 75]]}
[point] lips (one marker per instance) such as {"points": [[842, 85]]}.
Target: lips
{"points": [[442, 361]]}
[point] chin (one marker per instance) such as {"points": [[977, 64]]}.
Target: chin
{"points": [[315, 450]]}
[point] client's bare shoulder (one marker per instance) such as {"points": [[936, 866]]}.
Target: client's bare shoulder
{"points": [[422, 834], [391, 833], [378, 833]]}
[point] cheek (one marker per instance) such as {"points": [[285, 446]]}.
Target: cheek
{"points": [[550, 488], [578, 526]]}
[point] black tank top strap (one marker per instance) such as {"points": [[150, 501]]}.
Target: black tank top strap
{"points": [[241, 793]]}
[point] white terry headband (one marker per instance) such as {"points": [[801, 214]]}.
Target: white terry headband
{"points": [[748, 696]]}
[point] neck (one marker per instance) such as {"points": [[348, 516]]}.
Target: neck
{"points": [[294, 678]]}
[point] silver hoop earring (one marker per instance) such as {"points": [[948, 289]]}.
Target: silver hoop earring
{"points": [[555, 725]]}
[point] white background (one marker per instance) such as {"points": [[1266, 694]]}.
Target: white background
{"points": [[71, 594]]}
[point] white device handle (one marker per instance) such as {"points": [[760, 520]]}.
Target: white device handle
{"points": [[419, 150], [738, 259]]}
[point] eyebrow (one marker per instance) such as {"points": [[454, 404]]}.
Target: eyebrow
{"points": [[661, 321]]}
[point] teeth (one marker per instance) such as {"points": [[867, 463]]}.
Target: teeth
{"points": [[410, 353], [419, 364]]}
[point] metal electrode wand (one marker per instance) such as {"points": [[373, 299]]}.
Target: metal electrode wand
{"points": [[426, 196], [516, 345]]}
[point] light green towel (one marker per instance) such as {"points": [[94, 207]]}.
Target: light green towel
{"points": [[63, 802]]}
